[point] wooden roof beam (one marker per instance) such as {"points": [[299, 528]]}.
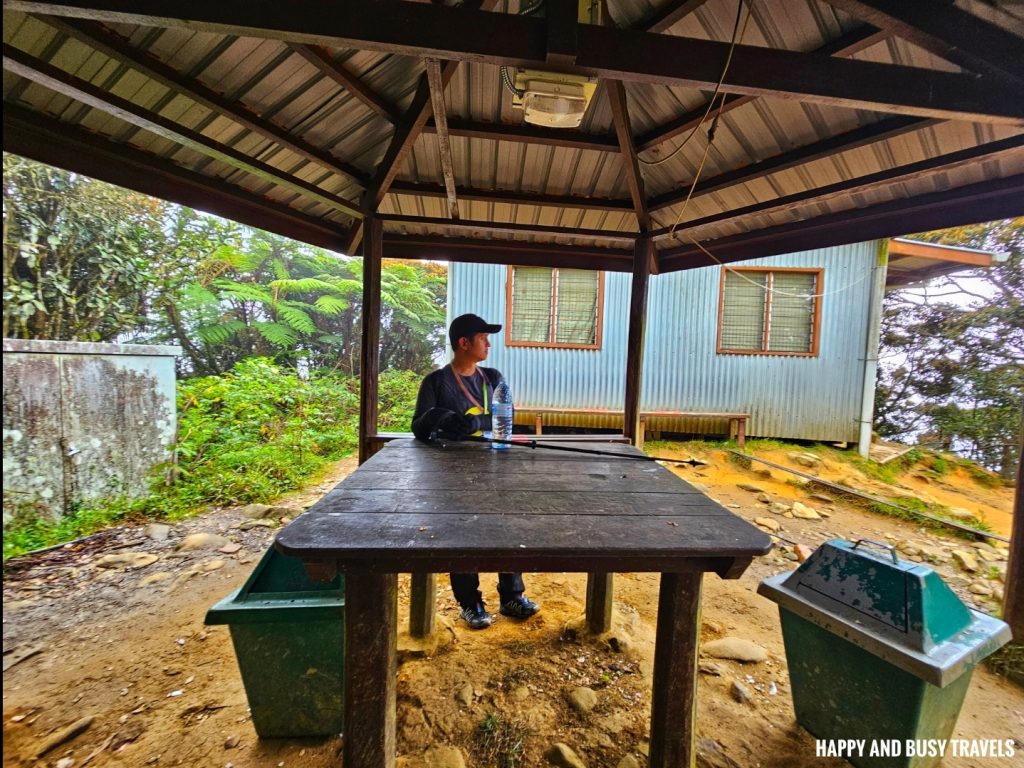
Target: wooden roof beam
{"points": [[985, 201], [464, 34], [898, 175], [119, 49], [336, 71], [64, 146], [634, 179], [444, 146], [669, 14], [59, 81], [514, 198], [947, 31], [847, 45], [864, 136], [528, 134], [479, 251], [510, 228]]}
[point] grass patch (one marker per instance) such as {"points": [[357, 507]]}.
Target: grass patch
{"points": [[29, 530], [520, 648], [1008, 662], [499, 742], [909, 504]]}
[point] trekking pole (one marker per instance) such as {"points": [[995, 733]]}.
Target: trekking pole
{"points": [[534, 444]]}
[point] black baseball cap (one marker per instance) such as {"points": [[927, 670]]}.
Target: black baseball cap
{"points": [[468, 326]]}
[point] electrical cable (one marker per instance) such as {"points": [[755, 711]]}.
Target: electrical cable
{"points": [[506, 79]]}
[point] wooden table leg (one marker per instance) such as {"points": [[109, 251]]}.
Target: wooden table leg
{"points": [[673, 702], [422, 601], [599, 602], [371, 613]]}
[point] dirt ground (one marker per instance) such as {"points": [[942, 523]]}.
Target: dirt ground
{"points": [[117, 647]]}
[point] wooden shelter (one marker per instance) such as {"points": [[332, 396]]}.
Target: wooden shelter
{"points": [[385, 125]]}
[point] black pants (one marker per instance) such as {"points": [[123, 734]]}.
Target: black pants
{"points": [[466, 587]]}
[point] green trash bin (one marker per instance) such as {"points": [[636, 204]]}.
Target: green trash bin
{"points": [[289, 638], [878, 649]]}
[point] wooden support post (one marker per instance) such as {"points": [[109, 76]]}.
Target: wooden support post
{"points": [[1013, 601], [538, 425], [422, 599], [371, 614], [643, 253], [599, 602], [369, 360], [641, 434], [673, 703], [741, 434]]}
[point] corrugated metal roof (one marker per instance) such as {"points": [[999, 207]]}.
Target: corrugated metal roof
{"points": [[268, 79]]}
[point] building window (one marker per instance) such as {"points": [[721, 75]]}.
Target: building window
{"points": [[769, 311], [554, 307]]}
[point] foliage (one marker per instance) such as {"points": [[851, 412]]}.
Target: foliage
{"points": [[499, 741], [1008, 662], [244, 437], [77, 254], [952, 372]]}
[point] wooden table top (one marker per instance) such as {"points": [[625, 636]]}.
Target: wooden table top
{"points": [[415, 507]]}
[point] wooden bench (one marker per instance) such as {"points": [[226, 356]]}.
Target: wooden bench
{"points": [[737, 421]]}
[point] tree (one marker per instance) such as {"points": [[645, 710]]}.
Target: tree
{"points": [[955, 352], [77, 254]]}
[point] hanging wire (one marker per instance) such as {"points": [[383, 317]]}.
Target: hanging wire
{"points": [[737, 35]]}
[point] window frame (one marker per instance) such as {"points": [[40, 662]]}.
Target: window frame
{"points": [[819, 279], [599, 320]]}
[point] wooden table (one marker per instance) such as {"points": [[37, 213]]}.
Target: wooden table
{"points": [[416, 508]]}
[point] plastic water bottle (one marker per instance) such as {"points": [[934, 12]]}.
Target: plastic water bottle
{"points": [[502, 414]]}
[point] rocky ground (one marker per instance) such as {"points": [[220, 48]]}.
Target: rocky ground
{"points": [[107, 659]]}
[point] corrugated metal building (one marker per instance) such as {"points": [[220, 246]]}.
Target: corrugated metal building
{"points": [[810, 397]]}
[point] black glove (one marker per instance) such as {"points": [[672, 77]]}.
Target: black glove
{"points": [[458, 425]]}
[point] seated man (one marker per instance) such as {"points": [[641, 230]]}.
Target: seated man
{"points": [[456, 401]]}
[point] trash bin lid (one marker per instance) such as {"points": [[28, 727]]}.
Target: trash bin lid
{"points": [[900, 611]]}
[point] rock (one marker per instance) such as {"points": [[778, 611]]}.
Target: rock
{"points": [[990, 557], [826, 513], [802, 552], [66, 762], [768, 523], [980, 588], [231, 742], [522, 693], [444, 757], [908, 548], [256, 511], [740, 692], [804, 512], [158, 531], [64, 734], [629, 761], [710, 668], [750, 487], [230, 549], [153, 578], [965, 560], [710, 755], [822, 498], [209, 566], [764, 498], [127, 560], [464, 696], [959, 513], [250, 524], [582, 700], [197, 541], [805, 459], [998, 593], [778, 508], [561, 755], [735, 648], [764, 473]]}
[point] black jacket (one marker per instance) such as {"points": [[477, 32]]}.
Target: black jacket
{"points": [[440, 396]]}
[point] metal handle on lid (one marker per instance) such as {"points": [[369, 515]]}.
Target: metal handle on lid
{"points": [[890, 547]]}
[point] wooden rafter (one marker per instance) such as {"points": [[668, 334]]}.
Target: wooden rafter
{"points": [[444, 145], [62, 82], [323, 61], [529, 134], [511, 228], [969, 204], [844, 142], [74, 149], [669, 14], [634, 179], [464, 34], [514, 198], [847, 45], [119, 49], [897, 175], [947, 31], [525, 254]]}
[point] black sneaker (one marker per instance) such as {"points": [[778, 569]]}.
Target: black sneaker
{"points": [[476, 616], [519, 607]]}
